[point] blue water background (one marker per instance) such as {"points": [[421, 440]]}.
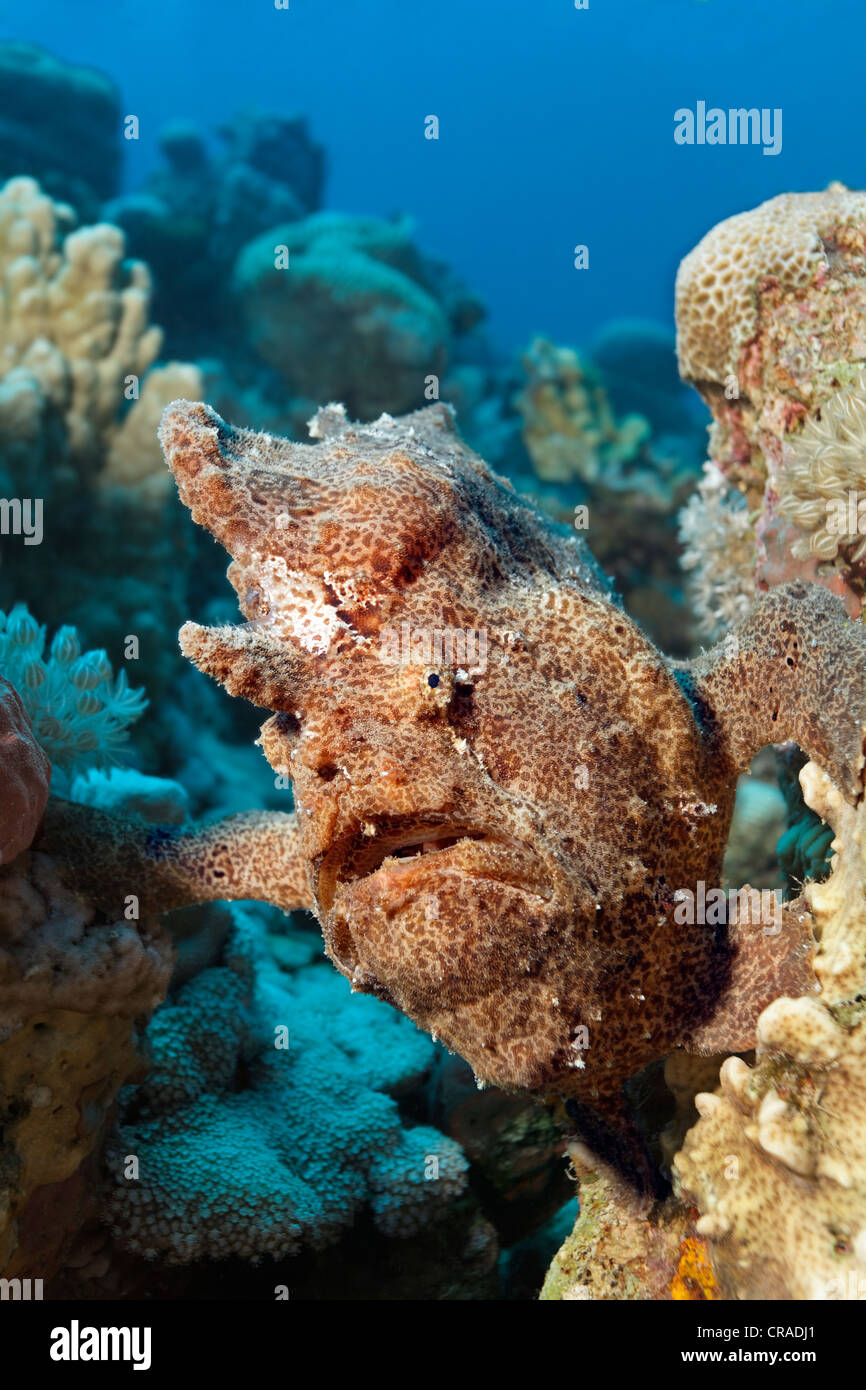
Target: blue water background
{"points": [[556, 124]]}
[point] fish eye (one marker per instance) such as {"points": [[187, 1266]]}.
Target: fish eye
{"points": [[433, 680]]}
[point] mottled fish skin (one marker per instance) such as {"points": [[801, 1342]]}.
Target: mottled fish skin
{"points": [[493, 843]]}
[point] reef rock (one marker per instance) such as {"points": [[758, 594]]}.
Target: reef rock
{"points": [[72, 985], [60, 124], [343, 310]]}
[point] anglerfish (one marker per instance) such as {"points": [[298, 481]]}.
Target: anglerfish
{"points": [[503, 790]]}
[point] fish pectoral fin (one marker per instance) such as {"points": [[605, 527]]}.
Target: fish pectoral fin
{"points": [[795, 669], [761, 962]]}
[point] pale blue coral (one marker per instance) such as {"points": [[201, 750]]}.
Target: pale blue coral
{"points": [[249, 1149], [79, 710]]}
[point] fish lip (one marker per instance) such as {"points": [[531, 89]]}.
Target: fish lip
{"points": [[372, 853]]}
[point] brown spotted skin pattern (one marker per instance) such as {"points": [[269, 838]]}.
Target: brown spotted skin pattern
{"points": [[562, 790]]}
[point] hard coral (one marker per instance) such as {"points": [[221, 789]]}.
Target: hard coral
{"points": [[626, 486], [350, 315], [57, 952], [771, 324], [568, 426], [777, 1162], [74, 334], [72, 985], [60, 123], [238, 1153], [790, 243]]}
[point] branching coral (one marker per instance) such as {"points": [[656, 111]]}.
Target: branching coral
{"points": [[568, 426], [74, 342], [79, 710]]}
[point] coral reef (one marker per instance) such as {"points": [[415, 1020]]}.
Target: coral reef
{"points": [[74, 335], [513, 1142], [505, 798], [57, 952], [569, 427], [343, 309], [626, 488], [79, 404], [771, 328], [132, 793], [72, 985], [615, 1252], [60, 124], [191, 217], [804, 849], [777, 1163], [637, 361], [79, 710], [260, 1166], [719, 554]]}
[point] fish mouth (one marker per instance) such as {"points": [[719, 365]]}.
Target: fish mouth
{"points": [[390, 902], [399, 854]]}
